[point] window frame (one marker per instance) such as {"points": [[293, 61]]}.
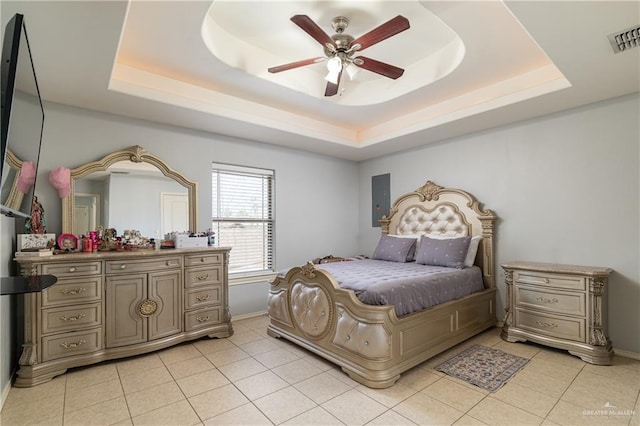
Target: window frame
{"points": [[217, 169]]}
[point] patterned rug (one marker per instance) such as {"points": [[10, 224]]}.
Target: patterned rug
{"points": [[484, 367]]}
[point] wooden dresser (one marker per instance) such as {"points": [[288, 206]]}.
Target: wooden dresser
{"points": [[109, 305], [563, 306]]}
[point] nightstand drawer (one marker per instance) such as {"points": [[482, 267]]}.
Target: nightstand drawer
{"points": [[71, 318], [567, 282], [202, 318], [70, 269], [550, 325], [75, 343], [202, 276], [79, 290], [569, 303], [203, 296]]}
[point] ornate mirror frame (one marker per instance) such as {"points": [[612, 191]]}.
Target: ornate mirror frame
{"points": [[135, 154], [14, 198]]}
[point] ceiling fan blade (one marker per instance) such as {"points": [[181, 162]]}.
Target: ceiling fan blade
{"points": [[311, 28], [382, 32], [332, 88], [378, 67], [297, 64]]}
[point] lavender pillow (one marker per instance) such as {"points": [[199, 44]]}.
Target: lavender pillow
{"points": [[450, 252], [394, 249]]}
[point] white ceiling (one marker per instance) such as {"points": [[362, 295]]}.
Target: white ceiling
{"points": [[154, 61]]}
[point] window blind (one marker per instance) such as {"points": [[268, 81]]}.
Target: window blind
{"points": [[242, 216]]}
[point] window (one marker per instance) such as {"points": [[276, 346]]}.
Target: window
{"points": [[242, 216]]}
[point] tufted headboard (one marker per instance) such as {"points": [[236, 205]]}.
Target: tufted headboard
{"points": [[434, 210]]}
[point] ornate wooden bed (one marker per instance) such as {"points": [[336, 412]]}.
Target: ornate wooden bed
{"points": [[371, 344]]}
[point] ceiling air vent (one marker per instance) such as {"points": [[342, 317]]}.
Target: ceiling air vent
{"points": [[625, 40]]}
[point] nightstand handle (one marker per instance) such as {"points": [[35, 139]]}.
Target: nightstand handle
{"points": [[73, 345], [545, 300], [72, 318], [546, 324], [203, 319], [203, 297], [74, 291]]}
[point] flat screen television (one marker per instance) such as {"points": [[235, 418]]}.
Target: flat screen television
{"points": [[22, 122]]}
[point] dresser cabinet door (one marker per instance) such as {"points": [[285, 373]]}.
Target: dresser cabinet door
{"points": [[125, 297], [165, 290]]}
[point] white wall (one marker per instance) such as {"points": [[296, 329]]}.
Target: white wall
{"points": [[565, 187]]}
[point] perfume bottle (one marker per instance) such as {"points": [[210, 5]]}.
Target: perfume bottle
{"points": [[87, 245]]}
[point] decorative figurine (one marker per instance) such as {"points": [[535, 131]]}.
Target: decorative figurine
{"points": [[36, 224]]}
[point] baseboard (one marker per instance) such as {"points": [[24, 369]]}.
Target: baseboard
{"points": [[247, 316], [627, 354], [5, 393]]}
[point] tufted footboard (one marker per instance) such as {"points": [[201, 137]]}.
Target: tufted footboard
{"points": [[370, 343]]}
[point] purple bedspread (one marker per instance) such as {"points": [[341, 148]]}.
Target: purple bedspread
{"points": [[409, 287]]}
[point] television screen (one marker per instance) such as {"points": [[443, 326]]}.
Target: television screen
{"points": [[22, 121]]}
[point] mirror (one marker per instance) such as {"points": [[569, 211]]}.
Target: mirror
{"points": [[129, 189]]}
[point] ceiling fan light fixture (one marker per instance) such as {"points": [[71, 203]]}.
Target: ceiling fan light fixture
{"points": [[334, 65], [352, 70]]}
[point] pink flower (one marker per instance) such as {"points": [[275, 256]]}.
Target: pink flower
{"points": [[60, 178], [27, 177]]}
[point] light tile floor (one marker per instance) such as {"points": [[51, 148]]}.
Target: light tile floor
{"points": [[253, 379]]}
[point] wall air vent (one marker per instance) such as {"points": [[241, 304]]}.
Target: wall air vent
{"points": [[625, 40]]}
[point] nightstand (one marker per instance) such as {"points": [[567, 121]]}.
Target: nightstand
{"points": [[562, 306]]}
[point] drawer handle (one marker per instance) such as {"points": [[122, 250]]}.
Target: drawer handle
{"points": [[203, 298], [546, 300], [73, 345], [546, 324], [73, 291], [202, 259], [202, 277], [72, 269], [72, 318], [203, 319], [168, 263], [123, 266], [534, 280]]}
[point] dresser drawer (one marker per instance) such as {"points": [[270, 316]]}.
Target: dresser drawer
{"points": [[551, 325], [150, 265], [64, 292], [567, 282], [69, 318], [68, 344], [202, 318], [202, 276], [72, 269], [203, 296], [569, 303], [203, 259]]}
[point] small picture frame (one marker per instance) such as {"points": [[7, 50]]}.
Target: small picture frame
{"points": [[68, 242], [35, 241]]}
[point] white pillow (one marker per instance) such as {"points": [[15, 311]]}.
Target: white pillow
{"points": [[471, 251]]}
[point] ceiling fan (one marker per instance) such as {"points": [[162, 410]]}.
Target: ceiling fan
{"points": [[340, 48]]}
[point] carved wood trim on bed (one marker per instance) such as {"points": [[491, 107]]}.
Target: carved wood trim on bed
{"points": [[370, 343]]}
